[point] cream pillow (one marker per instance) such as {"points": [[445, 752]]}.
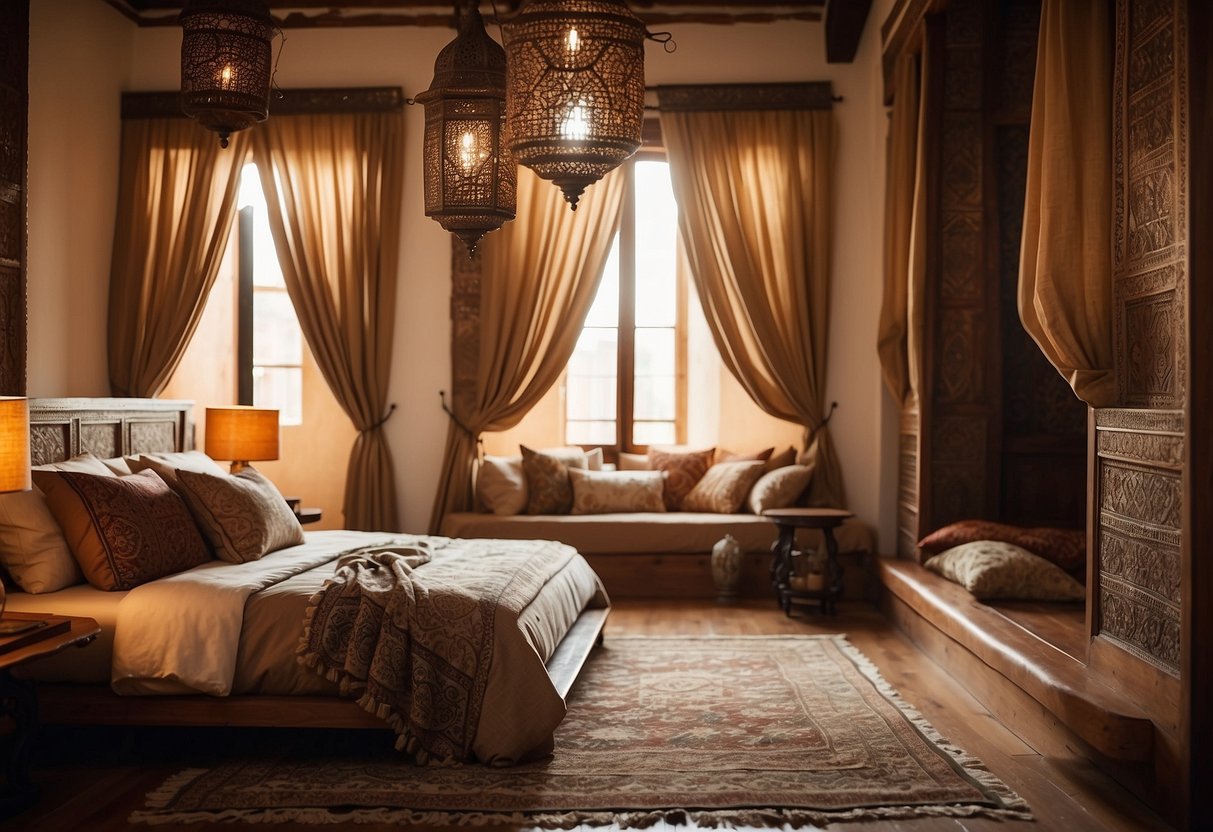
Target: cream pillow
{"points": [[501, 486], [723, 489], [607, 492], [779, 488], [168, 464], [32, 546], [633, 462], [244, 516], [992, 569]]}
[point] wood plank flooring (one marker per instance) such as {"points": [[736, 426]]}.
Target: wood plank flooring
{"points": [[89, 781]]}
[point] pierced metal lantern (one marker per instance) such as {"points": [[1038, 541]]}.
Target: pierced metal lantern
{"points": [[575, 101], [470, 176], [225, 63]]}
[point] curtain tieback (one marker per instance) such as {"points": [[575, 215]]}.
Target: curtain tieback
{"points": [[811, 433], [391, 408], [473, 434]]}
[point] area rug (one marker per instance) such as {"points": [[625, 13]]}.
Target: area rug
{"points": [[760, 730]]}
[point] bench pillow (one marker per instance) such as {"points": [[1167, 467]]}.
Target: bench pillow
{"points": [[501, 485], [608, 492], [682, 469], [779, 488], [723, 489], [1065, 547], [994, 570]]}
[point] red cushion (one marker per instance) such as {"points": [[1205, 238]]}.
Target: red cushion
{"points": [[1065, 547]]}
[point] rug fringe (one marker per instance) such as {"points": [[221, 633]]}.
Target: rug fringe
{"points": [[163, 795], [568, 820]]}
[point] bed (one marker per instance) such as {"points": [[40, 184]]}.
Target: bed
{"points": [[163, 645]]}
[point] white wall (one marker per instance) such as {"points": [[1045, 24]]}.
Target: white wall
{"points": [[80, 54], [404, 57]]}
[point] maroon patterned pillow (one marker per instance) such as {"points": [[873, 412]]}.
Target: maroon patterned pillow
{"points": [[123, 531], [682, 471], [1065, 547]]}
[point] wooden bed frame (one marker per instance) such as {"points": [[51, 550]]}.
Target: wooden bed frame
{"points": [[63, 428]]}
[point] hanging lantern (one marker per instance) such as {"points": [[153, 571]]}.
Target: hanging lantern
{"points": [[469, 174], [575, 100], [225, 63]]}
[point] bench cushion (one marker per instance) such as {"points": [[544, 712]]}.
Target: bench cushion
{"points": [[647, 532]]}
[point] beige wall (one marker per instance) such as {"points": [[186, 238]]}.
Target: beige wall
{"points": [[80, 55], [404, 57]]}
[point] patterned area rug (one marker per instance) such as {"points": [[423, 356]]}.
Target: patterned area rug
{"points": [[760, 730]]}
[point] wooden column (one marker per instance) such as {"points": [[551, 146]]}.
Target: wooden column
{"points": [[14, 119]]}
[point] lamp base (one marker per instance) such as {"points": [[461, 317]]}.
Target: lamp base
{"points": [[238, 466]]}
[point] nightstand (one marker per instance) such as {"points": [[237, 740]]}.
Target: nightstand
{"points": [[305, 515], [18, 697]]}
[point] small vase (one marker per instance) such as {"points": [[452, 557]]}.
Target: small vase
{"points": [[726, 568]]}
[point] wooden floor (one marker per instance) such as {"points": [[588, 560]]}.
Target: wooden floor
{"points": [[89, 782]]}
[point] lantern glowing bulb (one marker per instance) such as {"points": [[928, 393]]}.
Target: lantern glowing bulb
{"points": [[573, 41], [576, 125], [225, 77]]}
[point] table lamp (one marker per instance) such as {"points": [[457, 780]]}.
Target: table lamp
{"points": [[14, 452], [241, 434]]}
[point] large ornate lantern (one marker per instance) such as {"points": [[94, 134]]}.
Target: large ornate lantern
{"points": [[575, 100], [225, 63], [470, 176]]}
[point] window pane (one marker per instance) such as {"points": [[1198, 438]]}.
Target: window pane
{"points": [[656, 246], [589, 433], [653, 433], [605, 309], [596, 353], [591, 397], [277, 338], [654, 397], [654, 352], [281, 388], [266, 271]]}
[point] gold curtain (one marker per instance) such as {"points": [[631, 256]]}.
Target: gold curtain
{"points": [[899, 335], [176, 202], [753, 190], [333, 184], [540, 275], [1065, 283]]}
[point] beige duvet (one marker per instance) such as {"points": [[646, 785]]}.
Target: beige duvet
{"points": [[225, 629]]}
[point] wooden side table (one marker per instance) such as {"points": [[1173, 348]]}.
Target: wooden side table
{"points": [[788, 520], [304, 514], [18, 697]]}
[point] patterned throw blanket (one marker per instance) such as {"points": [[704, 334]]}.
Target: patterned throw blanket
{"points": [[411, 633]]}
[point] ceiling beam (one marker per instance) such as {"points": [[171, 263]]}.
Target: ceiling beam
{"points": [[844, 22]]}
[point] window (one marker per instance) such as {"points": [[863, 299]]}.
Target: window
{"points": [[269, 342], [636, 323]]}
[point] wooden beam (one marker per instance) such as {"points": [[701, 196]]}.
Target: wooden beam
{"points": [[844, 22]]}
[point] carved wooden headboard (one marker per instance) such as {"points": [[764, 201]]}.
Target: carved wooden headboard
{"points": [[63, 428]]}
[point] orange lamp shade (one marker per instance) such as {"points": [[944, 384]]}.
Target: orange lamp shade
{"points": [[14, 444], [241, 434]]}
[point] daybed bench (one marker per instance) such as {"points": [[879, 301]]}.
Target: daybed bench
{"points": [[654, 554]]}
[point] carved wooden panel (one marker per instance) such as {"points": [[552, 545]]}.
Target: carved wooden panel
{"points": [[1150, 196], [1139, 489], [14, 67], [63, 428]]}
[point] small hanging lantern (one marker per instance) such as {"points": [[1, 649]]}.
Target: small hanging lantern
{"points": [[225, 63], [470, 176], [575, 100]]}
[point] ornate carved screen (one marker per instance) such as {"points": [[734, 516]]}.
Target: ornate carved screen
{"points": [[14, 94], [63, 428]]}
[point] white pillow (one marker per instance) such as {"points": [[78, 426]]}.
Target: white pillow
{"points": [[607, 492], [779, 488], [501, 486], [166, 464], [634, 462], [32, 546]]}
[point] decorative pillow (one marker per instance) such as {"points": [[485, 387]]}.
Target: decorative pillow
{"points": [[724, 487], [723, 455], [32, 548], [123, 531], [118, 465], [168, 464], [994, 569], [574, 457], [779, 488], [633, 462], [1065, 547], [782, 459], [683, 469], [547, 483], [501, 485], [243, 515], [604, 492]]}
